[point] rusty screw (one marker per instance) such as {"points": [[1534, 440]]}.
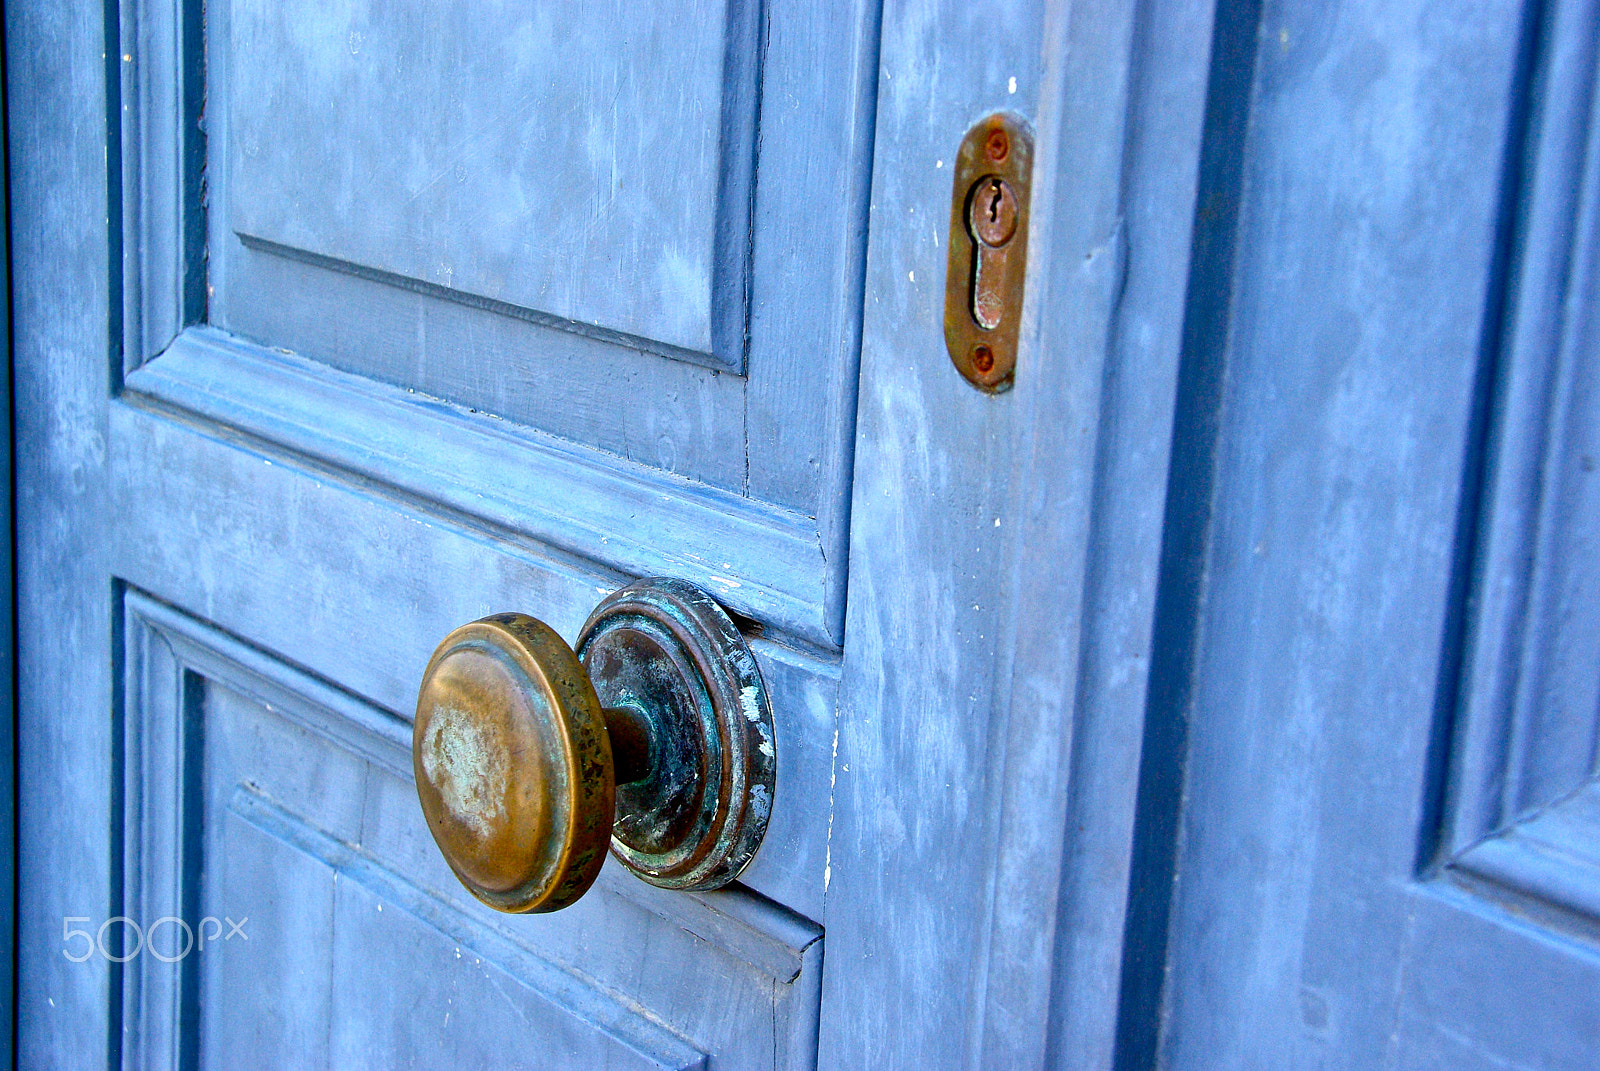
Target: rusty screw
{"points": [[998, 145], [983, 359]]}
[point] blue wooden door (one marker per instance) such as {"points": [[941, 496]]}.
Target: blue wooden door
{"points": [[1371, 834], [1217, 697], [419, 313]]}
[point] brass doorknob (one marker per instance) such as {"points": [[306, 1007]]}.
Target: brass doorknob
{"points": [[655, 735]]}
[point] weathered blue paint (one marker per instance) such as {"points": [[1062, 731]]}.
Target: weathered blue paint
{"points": [[218, 744], [1182, 711], [1392, 570], [8, 650], [1004, 550], [1190, 498]]}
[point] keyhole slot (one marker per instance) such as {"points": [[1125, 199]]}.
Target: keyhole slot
{"points": [[991, 221], [992, 211]]}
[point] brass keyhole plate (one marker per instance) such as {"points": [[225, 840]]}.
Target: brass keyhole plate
{"points": [[988, 251]]}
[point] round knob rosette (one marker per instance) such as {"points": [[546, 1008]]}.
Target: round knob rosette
{"points": [[655, 736]]}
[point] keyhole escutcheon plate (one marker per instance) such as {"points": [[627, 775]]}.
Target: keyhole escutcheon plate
{"points": [[988, 250]]}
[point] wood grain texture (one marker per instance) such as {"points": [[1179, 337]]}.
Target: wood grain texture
{"points": [[516, 156], [262, 548], [781, 433], [1550, 857], [678, 417], [1520, 809], [8, 679], [971, 613], [1194, 605], [1364, 325], [162, 157], [927, 608], [1095, 942], [1530, 694], [765, 563], [808, 259], [302, 807], [62, 304]]}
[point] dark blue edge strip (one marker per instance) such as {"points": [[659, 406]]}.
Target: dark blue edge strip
{"points": [[114, 370], [191, 846], [1477, 465], [8, 644], [117, 809], [1186, 533], [194, 266]]}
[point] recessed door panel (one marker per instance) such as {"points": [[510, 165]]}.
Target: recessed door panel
{"points": [[510, 153], [338, 938], [475, 310], [612, 225]]}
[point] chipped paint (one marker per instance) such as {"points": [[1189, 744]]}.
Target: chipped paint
{"points": [[833, 779]]}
